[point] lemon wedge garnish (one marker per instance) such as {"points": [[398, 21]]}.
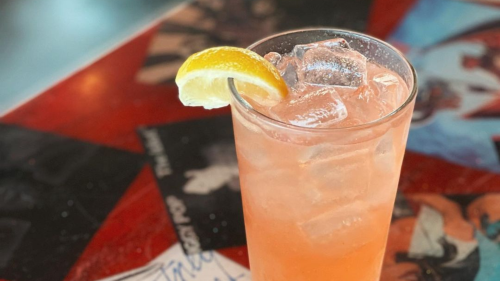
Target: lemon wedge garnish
{"points": [[202, 79]]}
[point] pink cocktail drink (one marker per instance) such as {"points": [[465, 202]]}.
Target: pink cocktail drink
{"points": [[319, 170]]}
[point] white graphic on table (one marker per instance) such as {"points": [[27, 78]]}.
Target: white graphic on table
{"points": [[222, 170], [173, 264]]}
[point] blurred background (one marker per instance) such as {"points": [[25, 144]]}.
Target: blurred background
{"points": [[43, 41]]}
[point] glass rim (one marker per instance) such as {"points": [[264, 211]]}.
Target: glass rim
{"points": [[373, 123]]}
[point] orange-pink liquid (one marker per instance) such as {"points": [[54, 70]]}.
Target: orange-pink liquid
{"points": [[317, 205]]}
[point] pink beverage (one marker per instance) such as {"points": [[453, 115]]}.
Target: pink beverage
{"points": [[319, 170]]}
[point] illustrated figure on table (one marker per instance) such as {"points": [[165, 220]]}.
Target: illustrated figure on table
{"points": [[457, 113], [451, 238]]}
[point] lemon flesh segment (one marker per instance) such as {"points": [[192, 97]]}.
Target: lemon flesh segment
{"points": [[202, 79]]}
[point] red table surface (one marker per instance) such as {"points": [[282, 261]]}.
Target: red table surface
{"points": [[103, 104]]}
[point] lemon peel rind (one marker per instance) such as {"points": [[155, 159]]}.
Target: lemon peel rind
{"points": [[211, 102]]}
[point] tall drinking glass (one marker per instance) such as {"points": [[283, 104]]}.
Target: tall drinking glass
{"points": [[318, 201]]}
